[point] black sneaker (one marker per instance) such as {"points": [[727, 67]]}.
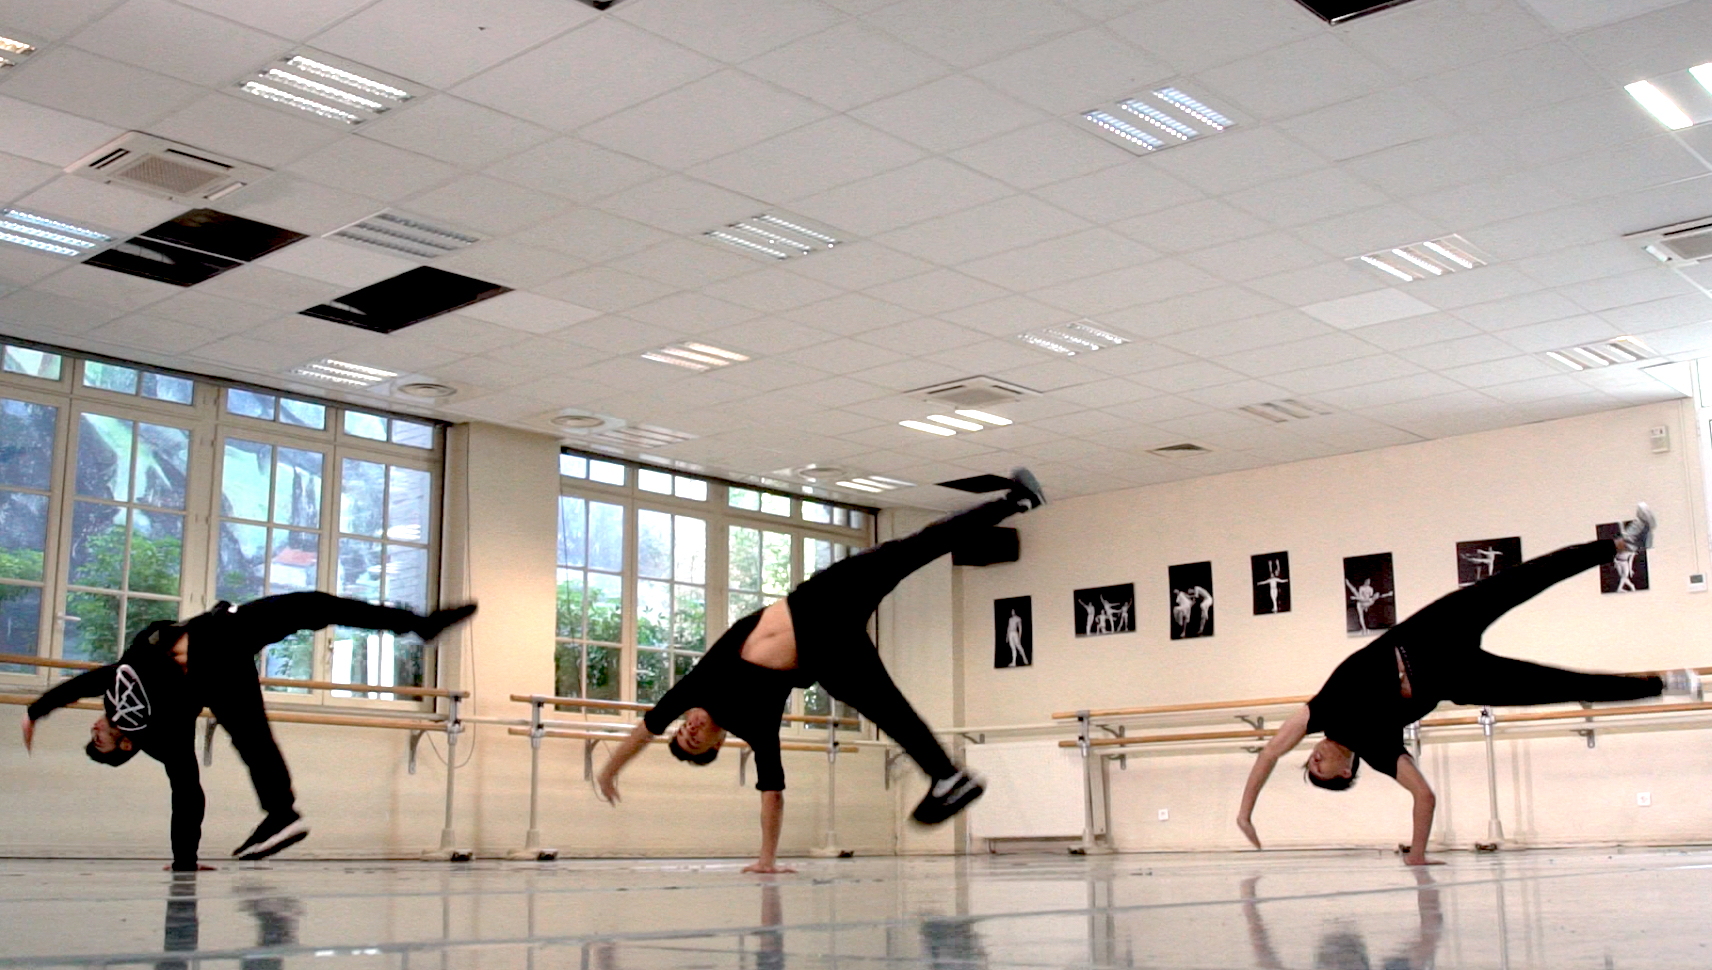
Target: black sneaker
{"points": [[278, 831], [439, 621], [1025, 490], [947, 797]]}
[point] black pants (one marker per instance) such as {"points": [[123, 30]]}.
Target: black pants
{"points": [[223, 660], [1440, 644], [830, 614]]}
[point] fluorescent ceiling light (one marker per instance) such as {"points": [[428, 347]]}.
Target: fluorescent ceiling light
{"points": [[1159, 119], [1703, 74], [1138, 122], [1425, 260], [46, 247], [1565, 360], [860, 488], [46, 235], [1123, 129], [12, 46], [56, 225], [1193, 108], [344, 373], [1660, 104], [992, 419], [677, 361], [324, 90], [270, 93], [1388, 268], [731, 355], [958, 423], [695, 356], [1604, 353], [929, 428], [356, 82], [885, 482], [774, 236], [1070, 339]]}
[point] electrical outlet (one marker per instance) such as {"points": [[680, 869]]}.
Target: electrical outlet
{"points": [[1165, 815], [1644, 799]]}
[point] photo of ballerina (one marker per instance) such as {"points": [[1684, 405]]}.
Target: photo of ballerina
{"points": [[1105, 609], [1013, 632], [1271, 574], [1628, 572], [1370, 594], [1191, 600], [1479, 559]]}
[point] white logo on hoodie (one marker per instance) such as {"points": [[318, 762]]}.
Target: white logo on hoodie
{"points": [[127, 702]]}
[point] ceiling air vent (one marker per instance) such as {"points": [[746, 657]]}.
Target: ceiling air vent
{"points": [[1179, 451], [1679, 244], [973, 392], [405, 234], [166, 169], [1284, 409]]}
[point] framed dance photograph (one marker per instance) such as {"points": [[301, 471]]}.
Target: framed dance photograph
{"points": [[1479, 559], [1103, 610], [1628, 572], [1191, 600], [1370, 594], [1271, 574], [1013, 632]]}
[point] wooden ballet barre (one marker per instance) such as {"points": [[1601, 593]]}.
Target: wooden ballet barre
{"points": [[29, 661], [1183, 708], [293, 717], [1520, 717], [523, 732], [1248, 733], [590, 702]]}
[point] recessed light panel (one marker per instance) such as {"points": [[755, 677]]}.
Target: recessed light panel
{"points": [[410, 297], [406, 234], [1423, 260], [336, 92], [1160, 119], [1606, 353], [775, 236], [1678, 100], [1070, 339], [875, 484], [32, 230], [946, 425], [1285, 409], [695, 356], [13, 50], [346, 374]]}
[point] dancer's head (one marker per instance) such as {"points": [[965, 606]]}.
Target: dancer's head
{"points": [[698, 738], [107, 744], [1331, 766]]}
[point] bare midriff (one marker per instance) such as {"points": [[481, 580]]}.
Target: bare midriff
{"points": [[773, 642]]}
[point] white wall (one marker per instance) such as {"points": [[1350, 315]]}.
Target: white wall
{"points": [[1549, 483]]}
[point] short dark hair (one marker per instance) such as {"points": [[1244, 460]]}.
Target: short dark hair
{"points": [[1335, 782], [114, 758], [155, 632], [683, 754]]}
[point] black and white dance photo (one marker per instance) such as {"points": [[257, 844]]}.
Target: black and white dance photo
{"points": [[1191, 600], [1370, 594], [1270, 572], [1013, 632], [1104, 610], [1480, 559], [1627, 573]]}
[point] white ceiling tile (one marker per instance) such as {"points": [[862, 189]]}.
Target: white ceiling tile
{"points": [[856, 267], [1593, 261], [155, 333], [809, 160], [1537, 338], [969, 32], [1572, 15], [456, 131], [1091, 424], [1048, 152], [1515, 83], [1366, 309], [1195, 225], [441, 42], [1411, 41], [94, 87], [53, 312], [298, 20], [529, 312], [21, 175], [921, 337], [731, 34], [1303, 198], [51, 21], [1120, 192], [1256, 256], [592, 235], [771, 290], [622, 335], [681, 205], [1198, 34], [712, 116], [371, 168], [1239, 394], [1380, 227], [333, 262], [284, 292], [1057, 260], [1544, 136], [691, 313], [988, 357], [843, 356], [456, 332], [1519, 311], [1154, 409], [575, 169], [101, 205], [1048, 375], [252, 132], [1660, 160], [215, 313], [948, 114], [97, 285], [1458, 290], [1658, 314], [847, 66], [1104, 393], [1206, 423], [1218, 304], [937, 291], [1349, 373], [1243, 335], [507, 262], [1646, 44], [1694, 340], [300, 205], [1540, 232], [1433, 164], [1189, 376], [1237, 159], [1008, 315], [1503, 371], [850, 313], [684, 264], [925, 190], [1643, 286], [1489, 201], [488, 205], [605, 288], [1477, 349], [253, 355], [1298, 77], [187, 44], [905, 375], [50, 136], [1317, 283], [1415, 331], [1147, 283], [1329, 348], [765, 374], [1368, 124], [777, 336], [1076, 72], [984, 230], [1398, 389]]}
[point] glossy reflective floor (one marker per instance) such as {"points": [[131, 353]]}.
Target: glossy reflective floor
{"points": [[1592, 909]]}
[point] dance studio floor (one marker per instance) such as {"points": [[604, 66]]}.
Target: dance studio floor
{"points": [[1558, 910]]}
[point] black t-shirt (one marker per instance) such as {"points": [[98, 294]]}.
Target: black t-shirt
{"points": [[743, 698], [1362, 706]]}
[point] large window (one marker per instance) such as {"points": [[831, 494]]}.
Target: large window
{"points": [[129, 495], [654, 565]]}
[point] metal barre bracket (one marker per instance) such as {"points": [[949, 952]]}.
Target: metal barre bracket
{"points": [[1258, 722], [415, 739], [208, 743], [1588, 734], [974, 738], [743, 766], [892, 758]]}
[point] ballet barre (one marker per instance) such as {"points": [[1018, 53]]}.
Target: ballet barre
{"points": [[418, 723]]}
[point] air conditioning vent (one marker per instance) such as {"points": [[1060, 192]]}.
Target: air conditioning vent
{"points": [[1179, 451], [1284, 409], [167, 170], [405, 234], [973, 392], [1682, 244]]}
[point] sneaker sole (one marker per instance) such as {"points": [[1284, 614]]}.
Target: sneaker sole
{"points": [[285, 838], [949, 808]]}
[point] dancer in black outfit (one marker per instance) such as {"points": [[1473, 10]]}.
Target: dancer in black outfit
{"points": [[818, 633], [153, 695], [1435, 655]]}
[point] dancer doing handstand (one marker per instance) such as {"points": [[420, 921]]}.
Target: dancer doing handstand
{"points": [[153, 695], [818, 633], [1435, 655]]}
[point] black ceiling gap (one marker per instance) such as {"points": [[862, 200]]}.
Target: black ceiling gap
{"points": [[979, 484], [233, 237], [410, 297], [156, 260], [1338, 11]]}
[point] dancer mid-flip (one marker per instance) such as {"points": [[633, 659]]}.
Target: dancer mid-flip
{"points": [[171, 670], [818, 633], [1435, 655]]}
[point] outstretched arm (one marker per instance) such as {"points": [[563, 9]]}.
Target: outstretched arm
{"points": [[632, 745], [1290, 734], [772, 823], [90, 683], [188, 805], [1410, 777]]}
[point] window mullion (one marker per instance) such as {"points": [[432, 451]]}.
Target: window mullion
{"points": [[629, 601]]}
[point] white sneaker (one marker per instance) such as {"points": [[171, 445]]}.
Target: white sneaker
{"points": [[1681, 683], [1638, 532]]}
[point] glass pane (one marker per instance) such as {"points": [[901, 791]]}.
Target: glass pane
{"points": [[292, 658], [571, 603], [297, 488], [242, 562], [604, 678], [745, 554], [816, 512], [775, 504], [407, 504], [362, 490], [693, 489], [776, 563], [605, 607], [295, 563], [817, 701], [653, 613], [23, 536], [157, 552], [689, 621], [104, 457], [682, 664], [649, 480], [32, 363], [162, 457], [304, 414], [817, 555], [407, 577], [244, 479], [163, 387], [606, 536], [689, 551], [20, 623], [573, 530], [858, 520], [606, 472], [97, 545], [743, 498], [651, 682], [412, 434], [568, 670], [362, 425], [26, 443], [740, 605], [249, 404], [653, 544], [109, 377], [359, 570], [840, 516], [374, 657], [573, 466], [95, 633], [141, 612]]}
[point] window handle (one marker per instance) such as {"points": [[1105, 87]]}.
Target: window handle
{"points": [[68, 618]]}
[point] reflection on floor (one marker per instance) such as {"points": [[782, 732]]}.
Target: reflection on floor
{"points": [[1592, 909]]}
